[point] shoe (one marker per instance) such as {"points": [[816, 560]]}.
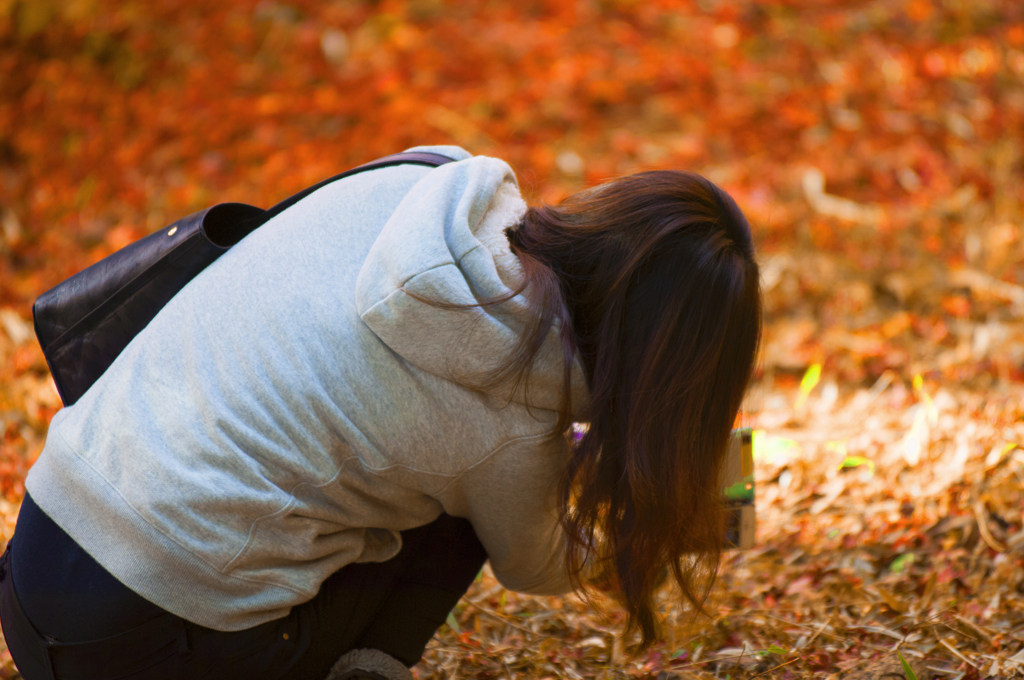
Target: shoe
{"points": [[368, 664]]}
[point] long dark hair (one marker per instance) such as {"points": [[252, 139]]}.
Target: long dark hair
{"points": [[651, 279]]}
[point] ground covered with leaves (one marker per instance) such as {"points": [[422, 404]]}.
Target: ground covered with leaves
{"points": [[877, 147], [888, 521]]}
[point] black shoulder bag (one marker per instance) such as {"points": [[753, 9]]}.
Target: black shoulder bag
{"points": [[83, 323]]}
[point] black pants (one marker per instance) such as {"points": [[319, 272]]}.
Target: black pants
{"points": [[65, 618]]}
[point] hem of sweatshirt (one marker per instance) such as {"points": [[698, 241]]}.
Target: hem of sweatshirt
{"points": [[86, 506]]}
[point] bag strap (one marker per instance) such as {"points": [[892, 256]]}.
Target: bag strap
{"points": [[407, 158], [225, 224]]}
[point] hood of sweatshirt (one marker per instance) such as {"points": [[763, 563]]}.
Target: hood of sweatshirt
{"points": [[445, 246]]}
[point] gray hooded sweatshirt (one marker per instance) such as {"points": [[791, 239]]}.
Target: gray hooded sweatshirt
{"points": [[295, 406]]}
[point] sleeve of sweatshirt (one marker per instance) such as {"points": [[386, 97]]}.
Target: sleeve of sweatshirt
{"points": [[509, 497]]}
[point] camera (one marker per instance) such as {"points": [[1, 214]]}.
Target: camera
{"points": [[738, 490]]}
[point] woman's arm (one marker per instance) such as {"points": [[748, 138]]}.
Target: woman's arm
{"points": [[509, 497]]}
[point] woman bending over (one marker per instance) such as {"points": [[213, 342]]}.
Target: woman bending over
{"points": [[299, 466]]}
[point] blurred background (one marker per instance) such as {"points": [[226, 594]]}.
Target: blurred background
{"points": [[876, 147]]}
